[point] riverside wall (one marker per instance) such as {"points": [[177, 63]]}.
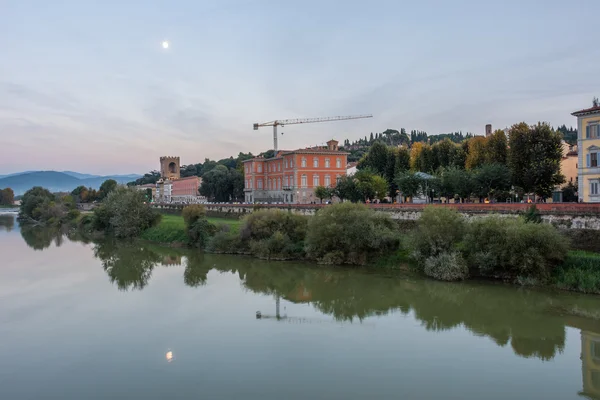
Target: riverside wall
{"points": [[566, 216]]}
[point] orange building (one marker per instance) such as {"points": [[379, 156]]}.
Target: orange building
{"points": [[185, 190], [292, 176]]}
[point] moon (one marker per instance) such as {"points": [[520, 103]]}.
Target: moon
{"points": [[165, 44]]}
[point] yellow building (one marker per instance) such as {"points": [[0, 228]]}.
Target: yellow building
{"points": [[588, 144]]}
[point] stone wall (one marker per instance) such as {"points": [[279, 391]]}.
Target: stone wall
{"points": [[563, 216]]}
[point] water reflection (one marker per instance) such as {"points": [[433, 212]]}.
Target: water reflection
{"points": [[7, 222], [40, 238], [526, 321], [531, 323]]}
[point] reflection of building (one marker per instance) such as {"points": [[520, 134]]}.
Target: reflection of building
{"points": [[588, 145], [590, 364], [292, 176], [171, 260]]}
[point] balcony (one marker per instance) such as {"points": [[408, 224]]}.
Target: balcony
{"points": [[288, 188]]}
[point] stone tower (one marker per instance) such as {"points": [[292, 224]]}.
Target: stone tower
{"points": [[488, 130], [169, 167]]}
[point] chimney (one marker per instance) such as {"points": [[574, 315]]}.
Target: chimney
{"points": [[332, 145], [488, 130]]}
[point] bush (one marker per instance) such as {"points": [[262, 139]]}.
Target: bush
{"points": [[507, 247], [532, 215], [446, 267], [264, 223], [278, 247], [349, 233], [226, 243], [439, 230], [580, 272], [125, 214], [193, 213], [200, 232]]}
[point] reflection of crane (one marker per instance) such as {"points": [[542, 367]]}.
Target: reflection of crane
{"points": [[283, 122], [299, 320]]}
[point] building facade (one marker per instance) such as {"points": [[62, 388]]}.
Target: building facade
{"points": [[185, 190], [588, 145], [292, 176], [164, 188], [569, 163]]}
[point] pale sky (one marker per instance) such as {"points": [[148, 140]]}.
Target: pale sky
{"points": [[87, 86]]}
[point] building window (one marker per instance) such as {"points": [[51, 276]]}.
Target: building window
{"points": [[594, 159], [327, 163], [291, 163], [315, 180], [327, 181], [593, 188], [338, 163], [286, 163], [304, 163], [291, 181], [251, 187], [304, 181], [259, 168], [286, 182], [279, 167], [315, 162], [259, 183], [592, 131]]}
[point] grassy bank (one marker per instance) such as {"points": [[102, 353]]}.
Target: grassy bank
{"points": [[579, 272], [171, 229]]}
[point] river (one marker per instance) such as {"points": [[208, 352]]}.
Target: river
{"points": [[83, 320]]}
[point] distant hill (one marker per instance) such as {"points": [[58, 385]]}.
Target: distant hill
{"points": [[58, 181]]}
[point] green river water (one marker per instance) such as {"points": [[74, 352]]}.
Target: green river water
{"points": [[135, 321]]}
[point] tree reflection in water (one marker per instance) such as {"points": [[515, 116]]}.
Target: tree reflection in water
{"points": [[7, 222], [40, 238], [524, 319], [129, 266]]}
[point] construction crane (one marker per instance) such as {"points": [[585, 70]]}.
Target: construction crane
{"points": [[283, 122]]}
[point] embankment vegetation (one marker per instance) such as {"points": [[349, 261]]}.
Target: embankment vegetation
{"points": [[40, 207]]}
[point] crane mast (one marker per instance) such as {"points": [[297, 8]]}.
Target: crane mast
{"points": [[283, 122]]}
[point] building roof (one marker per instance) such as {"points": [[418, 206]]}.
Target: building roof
{"points": [[586, 111], [281, 153], [351, 165], [188, 177]]}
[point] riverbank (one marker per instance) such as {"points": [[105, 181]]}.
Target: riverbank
{"points": [[578, 271]]}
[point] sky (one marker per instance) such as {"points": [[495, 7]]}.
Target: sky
{"points": [[86, 86]]}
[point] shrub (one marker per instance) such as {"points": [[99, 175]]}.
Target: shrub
{"points": [[580, 271], [264, 223], [278, 247], [193, 213], [439, 230], [200, 232], [532, 215], [227, 243], [506, 247], [446, 266], [349, 233], [125, 214]]}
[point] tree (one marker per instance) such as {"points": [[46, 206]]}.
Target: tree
{"points": [[491, 179], [7, 197], [107, 186], [570, 193], [409, 184], [477, 152], [456, 181], [370, 186], [222, 184], [125, 213], [402, 162], [41, 206], [376, 158], [497, 148], [534, 158], [321, 192], [345, 189]]}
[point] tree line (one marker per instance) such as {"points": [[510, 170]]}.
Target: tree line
{"points": [[494, 167], [82, 194]]}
